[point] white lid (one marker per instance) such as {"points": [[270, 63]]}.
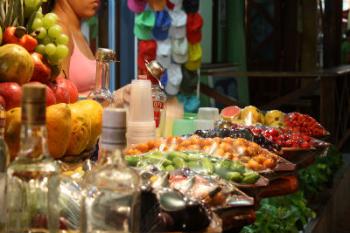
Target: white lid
{"points": [[207, 113], [113, 126]]}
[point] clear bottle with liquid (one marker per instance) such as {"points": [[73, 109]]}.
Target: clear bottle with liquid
{"points": [[110, 202], [32, 178], [101, 92], [154, 73], [4, 161]]}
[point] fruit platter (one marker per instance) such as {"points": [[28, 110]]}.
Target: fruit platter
{"points": [[233, 171], [293, 122]]}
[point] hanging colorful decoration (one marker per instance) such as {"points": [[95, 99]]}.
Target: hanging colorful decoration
{"points": [[170, 32]]}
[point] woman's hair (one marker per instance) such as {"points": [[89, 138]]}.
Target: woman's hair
{"points": [[48, 6]]}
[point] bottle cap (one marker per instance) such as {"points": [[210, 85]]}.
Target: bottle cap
{"points": [[33, 104], [34, 93], [113, 127], [106, 55]]}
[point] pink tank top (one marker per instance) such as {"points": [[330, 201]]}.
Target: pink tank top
{"points": [[82, 71]]}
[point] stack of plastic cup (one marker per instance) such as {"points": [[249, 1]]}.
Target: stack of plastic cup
{"points": [[141, 125], [207, 118]]}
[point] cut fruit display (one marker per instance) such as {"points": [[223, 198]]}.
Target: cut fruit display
{"points": [[230, 112], [295, 122]]}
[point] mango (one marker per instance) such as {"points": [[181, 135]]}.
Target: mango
{"points": [[59, 128], [94, 112], [81, 130]]}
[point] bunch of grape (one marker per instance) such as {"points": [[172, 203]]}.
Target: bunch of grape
{"points": [[52, 41]]}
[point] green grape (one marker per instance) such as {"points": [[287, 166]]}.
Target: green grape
{"points": [[46, 40], [40, 48], [42, 33], [55, 31], [39, 13], [30, 3], [37, 23], [50, 49], [62, 39], [54, 59], [49, 20], [62, 51]]}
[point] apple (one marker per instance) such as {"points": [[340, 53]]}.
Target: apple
{"points": [[50, 95], [42, 71], [11, 93]]}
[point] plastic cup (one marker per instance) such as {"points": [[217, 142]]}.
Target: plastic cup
{"points": [[183, 127], [141, 104], [208, 113]]}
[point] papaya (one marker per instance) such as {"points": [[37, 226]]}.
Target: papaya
{"points": [[94, 111], [12, 131], [17, 65], [80, 131], [58, 123]]}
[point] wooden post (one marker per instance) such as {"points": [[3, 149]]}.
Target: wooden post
{"points": [[332, 43], [309, 35]]}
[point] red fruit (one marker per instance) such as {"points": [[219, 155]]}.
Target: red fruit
{"points": [[60, 91], [11, 92], [2, 102], [28, 42], [50, 96], [230, 112], [9, 36], [42, 71], [73, 91]]}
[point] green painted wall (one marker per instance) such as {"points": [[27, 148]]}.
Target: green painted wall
{"points": [[236, 44]]}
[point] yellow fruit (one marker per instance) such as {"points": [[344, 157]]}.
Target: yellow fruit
{"points": [[58, 122], [274, 117], [81, 130], [12, 130], [251, 115], [17, 64], [94, 110]]}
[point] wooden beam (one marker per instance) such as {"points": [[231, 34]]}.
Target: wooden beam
{"points": [[223, 99], [288, 98]]}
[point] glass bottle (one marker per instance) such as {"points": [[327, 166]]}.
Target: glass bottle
{"points": [[155, 72], [111, 199], [101, 91], [32, 178], [4, 161]]}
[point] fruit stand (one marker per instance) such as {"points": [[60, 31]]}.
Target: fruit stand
{"points": [[252, 168]]}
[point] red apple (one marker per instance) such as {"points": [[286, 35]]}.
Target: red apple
{"points": [[60, 91], [42, 71], [50, 96], [11, 93]]}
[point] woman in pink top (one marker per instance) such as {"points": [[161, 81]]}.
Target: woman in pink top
{"points": [[80, 66]]}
